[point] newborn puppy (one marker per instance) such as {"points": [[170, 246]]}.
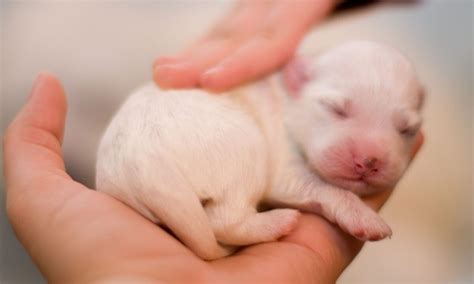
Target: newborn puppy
{"points": [[312, 138]]}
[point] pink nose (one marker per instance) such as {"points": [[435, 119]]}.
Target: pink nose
{"points": [[367, 165]]}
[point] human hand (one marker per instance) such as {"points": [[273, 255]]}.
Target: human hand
{"points": [[78, 235], [255, 38]]}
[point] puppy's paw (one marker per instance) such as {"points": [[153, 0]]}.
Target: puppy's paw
{"points": [[368, 226], [362, 222], [219, 251], [287, 220]]}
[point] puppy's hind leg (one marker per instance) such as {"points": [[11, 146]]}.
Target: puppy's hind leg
{"points": [[171, 199], [246, 226]]}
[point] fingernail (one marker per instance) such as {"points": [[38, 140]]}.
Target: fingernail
{"points": [[208, 78], [38, 83], [165, 60], [212, 72]]}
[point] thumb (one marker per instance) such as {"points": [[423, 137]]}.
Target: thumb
{"points": [[32, 142]]}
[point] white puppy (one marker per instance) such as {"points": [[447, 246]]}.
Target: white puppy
{"points": [[309, 138]]}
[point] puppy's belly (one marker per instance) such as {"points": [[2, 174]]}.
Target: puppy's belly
{"points": [[208, 143]]}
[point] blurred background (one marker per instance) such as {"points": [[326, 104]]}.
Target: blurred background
{"points": [[102, 50]]}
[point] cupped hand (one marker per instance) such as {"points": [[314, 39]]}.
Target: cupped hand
{"points": [[78, 235], [255, 38]]}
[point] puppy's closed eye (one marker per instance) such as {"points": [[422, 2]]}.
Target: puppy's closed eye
{"points": [[339, 107], [408, 123], [410, 131]]}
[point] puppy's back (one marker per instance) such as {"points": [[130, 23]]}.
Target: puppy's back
{"points": [[210, 141]]}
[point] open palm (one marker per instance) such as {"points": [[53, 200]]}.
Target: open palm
{"points": [[75, 234]]}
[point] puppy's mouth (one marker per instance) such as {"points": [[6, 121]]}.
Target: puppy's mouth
{"points": [[356, 182], [345, 180], [358, 185]]}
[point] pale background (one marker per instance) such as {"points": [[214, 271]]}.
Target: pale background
{"points": [[101, 50]]}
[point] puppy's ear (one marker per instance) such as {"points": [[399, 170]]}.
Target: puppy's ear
{"points": [[295, 74]]}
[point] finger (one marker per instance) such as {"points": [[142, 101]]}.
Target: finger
{"points": [[319, 249], [331, 249], [270, 47], [32, 152], [47, 209], [254, 59], [327, 247], [184, 70], [316, 252], [32, 142]]}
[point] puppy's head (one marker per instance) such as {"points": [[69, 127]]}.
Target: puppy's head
{"points": [[355, 111]]}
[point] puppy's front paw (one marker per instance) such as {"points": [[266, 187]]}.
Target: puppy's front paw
{"points": [[219, 251], [362, 222], [287, 220]]}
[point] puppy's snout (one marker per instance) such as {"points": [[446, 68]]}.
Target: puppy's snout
{"points": [[366, 166]]}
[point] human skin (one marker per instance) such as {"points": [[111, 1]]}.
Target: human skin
{"points": [[77, 235], [252, 40]]}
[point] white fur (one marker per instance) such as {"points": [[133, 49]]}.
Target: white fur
{"points": [[201, 164]]}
